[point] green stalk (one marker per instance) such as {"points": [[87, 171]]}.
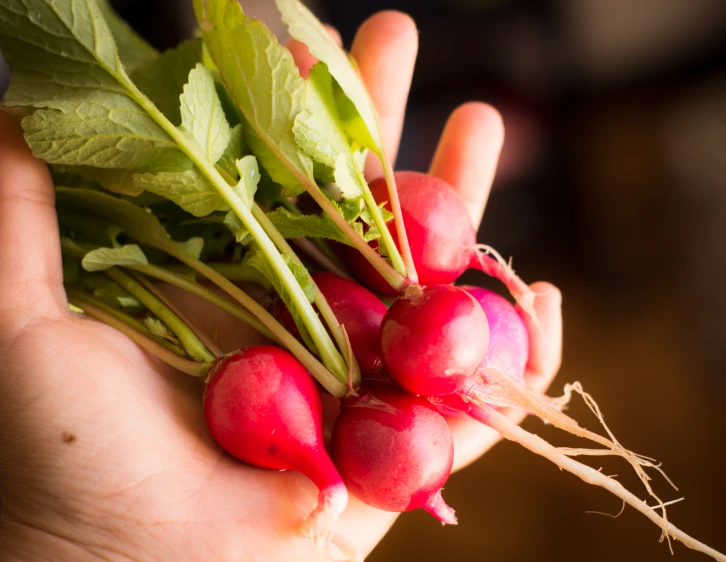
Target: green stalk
{"points": [[154, 290], [332, 383], [397, 216], [328, 352], [386, 238], [232, 271], [320, 300], [123, 317], [189, 340], [163, 274], [184, 365]]}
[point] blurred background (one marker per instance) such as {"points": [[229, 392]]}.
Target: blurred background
{"points": [[612, 185]]}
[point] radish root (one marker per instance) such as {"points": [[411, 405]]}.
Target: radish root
{"points": [[509, 430], [494, 265]]}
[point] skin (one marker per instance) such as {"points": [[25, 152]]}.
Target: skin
{"points": [[104, 454]]}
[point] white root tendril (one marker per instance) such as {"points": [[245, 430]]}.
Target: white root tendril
{"points": [[498, 390], [494, 265], [509, 430], [319, 526]]}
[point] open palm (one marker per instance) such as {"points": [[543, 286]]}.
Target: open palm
{"points": [[103, 451]]}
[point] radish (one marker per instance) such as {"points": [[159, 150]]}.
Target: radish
{"points": [[414, 325], [262, 407], [433, 339], [394, 451], [441, 236], [508, 336], [359, 312]]}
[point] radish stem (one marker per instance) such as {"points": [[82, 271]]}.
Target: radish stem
{"points": [[189, 340], [184, 365]]}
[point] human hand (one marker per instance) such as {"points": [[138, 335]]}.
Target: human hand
{"points": [[104, 454]]}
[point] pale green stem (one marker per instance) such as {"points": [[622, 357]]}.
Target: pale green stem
{"points": [[386, 238], [398, 216], [154, 290], [194, 347], [320, 300], [123, 317], [232, 271], [163, 274], [330, 382], [184, 365], [328, 352]]}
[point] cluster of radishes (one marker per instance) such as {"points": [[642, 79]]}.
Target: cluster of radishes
{"points": [[390, 445], [438, 350]]}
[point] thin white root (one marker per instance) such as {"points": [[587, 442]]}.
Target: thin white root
{"points": [[319, 526], [494, 265], [499, 422]]}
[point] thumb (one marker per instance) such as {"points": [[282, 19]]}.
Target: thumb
{"points": [[31, 276]]}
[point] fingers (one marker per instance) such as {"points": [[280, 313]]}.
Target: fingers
{"points": [[31, 275], [301, 55], [385, 50], [468, 152], [545, 348]]}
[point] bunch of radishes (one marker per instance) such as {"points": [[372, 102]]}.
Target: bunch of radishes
{"points": [[214, 150]]}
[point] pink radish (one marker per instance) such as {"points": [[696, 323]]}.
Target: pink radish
{"points": [[508, 336], [441, 236], [358, 310], [433, 339], [394, 451], [262, 407]]}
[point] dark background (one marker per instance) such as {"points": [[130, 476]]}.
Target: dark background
{"points": [[612, 185]]}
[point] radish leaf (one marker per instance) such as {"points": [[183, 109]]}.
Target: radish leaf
{"points": [[264, 82], [202, 115], [104, 258]]}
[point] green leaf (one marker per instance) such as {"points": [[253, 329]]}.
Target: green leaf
{"points": [[163, 79], [235, 226], [63, 58], [202, 114], [190, 190], [233, 151], [159, 329], [264, 82], [138, 223], [104, 258], [249, 178], [108, 131], [109, 291], [132, 49], [290, 225], [306, 28]]}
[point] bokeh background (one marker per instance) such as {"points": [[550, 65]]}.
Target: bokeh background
{"points": [[612, 185]]}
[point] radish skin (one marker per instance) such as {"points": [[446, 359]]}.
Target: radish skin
{"points": [[358, 310], [441, 237], [262, 407], [394, 451]]}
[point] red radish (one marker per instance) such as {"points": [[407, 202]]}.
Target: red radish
{"points": [[358, 310], [441, 236], [262, 407], [394, 451], [433, 339]]}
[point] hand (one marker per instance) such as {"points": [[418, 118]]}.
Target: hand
{"points": [[103, 451]]}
